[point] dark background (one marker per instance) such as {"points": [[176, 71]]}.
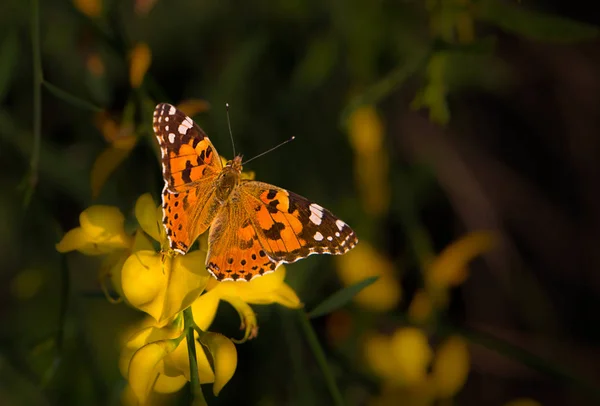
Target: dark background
{"points": [[517, 153]]}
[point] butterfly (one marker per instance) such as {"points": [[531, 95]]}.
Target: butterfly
{"points": [[254, 226]]}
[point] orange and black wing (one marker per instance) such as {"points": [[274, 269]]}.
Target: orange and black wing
{"points": [[266, 226], [188, 156], [190, 166]]}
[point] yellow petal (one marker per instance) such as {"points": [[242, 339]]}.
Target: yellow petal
{"points": [[412, 355], [286, 296], [449, 268], [162, 286], [523, 402], [247, 317], [141, 242], [140, 58], [451, 366], [145, 213], [110, 270], [420, 307], [108, 161], [74, 239], [377, 349], [365, 130], [179, 362], [145, 366], [371, 159], [224, 357], [205, 309], [191, 107], [99, 220], [169, 384], [91, 8], [142, 333], [142, 279], [363, 262]]}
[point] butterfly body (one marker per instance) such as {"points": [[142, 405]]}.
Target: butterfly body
{"points": [[254, 226]]}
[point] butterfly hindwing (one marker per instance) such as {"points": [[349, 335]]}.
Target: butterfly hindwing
{"points": [[235, 252], [188, 156]]}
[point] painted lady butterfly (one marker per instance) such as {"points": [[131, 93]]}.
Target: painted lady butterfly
{"points": [[254, 226]]}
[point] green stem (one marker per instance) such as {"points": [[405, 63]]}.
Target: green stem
{"points": [[37, 97], [319, 354], [188, 323]]}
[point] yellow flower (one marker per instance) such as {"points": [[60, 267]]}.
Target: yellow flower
{"points": [[402, 362], [450, 367], [155, 359], [157, 283], [140, 58], [101, 231], [450, 267], [91, 8], [366, 133], [401, 359], [121, 139], [362, 262], [267, 289]]}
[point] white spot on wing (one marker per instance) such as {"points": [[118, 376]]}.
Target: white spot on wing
{"points": [[340, 224], [171, 138], [318, 236], [185, 125], [330, 238], [166, 128], [166, 118], [316, 213], [337, 234], [172, 110]]}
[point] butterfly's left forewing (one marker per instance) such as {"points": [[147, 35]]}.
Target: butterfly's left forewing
{"points": [[190, 167]]}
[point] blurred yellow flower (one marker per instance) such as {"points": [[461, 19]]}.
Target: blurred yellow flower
{"points": [[450, 267], [371, 165], [450, 367], [121, 139], [101, 231], [401, 359], [140, 58], [91, 8], [363, 262]]}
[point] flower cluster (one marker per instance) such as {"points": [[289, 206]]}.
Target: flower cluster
{"points": [[178, 295]]}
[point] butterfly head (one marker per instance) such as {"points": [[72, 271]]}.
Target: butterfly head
{"points": [[235, 164], [229, 178]]}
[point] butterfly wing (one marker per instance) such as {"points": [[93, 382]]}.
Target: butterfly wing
{"points": [[190, 166], [188, 156], [264, 226]]}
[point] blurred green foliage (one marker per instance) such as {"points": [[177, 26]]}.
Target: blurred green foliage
{"points": [[470, 94]]}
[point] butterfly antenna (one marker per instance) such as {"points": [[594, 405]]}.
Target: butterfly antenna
{"points": [[269, 150], [229, 125]]}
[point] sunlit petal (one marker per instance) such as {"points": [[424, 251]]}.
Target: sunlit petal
{"points": [[145, 366], [145, 213], [224, 356]]}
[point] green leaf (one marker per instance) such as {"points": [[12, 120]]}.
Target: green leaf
{"points": [[340, 298], [534, 25], [9, 53]]}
